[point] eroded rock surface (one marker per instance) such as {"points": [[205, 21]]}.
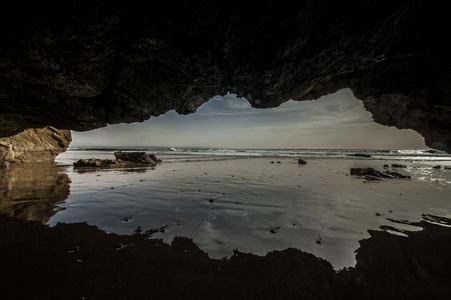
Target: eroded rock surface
{"points": [[98, 163], [372, 173], [83, 65], [34, 145], [136, 157]]}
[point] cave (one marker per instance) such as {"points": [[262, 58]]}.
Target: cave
{"points": [[296, 223], [81, 66]]}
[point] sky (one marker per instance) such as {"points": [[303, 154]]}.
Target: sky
{"points": [[337, 121]]}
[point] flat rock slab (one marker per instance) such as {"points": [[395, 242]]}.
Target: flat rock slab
{"points": [[98, 163], [136, 157], [374, 173]]}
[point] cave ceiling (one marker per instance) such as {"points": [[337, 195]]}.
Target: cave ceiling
{"points": [[81, 65]]}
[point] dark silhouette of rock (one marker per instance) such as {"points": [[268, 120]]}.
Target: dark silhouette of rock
{"points": [[437, 167], [98, 163], [431, 151], [154, 158], [301, 161], [398, 166], [136, 157], [374, 173], [87, 65]]}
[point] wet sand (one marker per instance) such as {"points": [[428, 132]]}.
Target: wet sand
{"points": [[257, 205], [77, 261], [227, 228]]}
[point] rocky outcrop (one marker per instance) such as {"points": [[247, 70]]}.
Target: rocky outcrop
{"points": [[34, 145], [372, 173], [98, 163], [123, 159], [302, 162], [83, 65], [136, 157]]}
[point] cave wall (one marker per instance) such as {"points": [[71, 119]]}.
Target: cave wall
{"points": [[82, 65]]}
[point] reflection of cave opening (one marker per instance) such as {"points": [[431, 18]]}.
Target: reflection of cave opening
{"points": [[334, 121]]}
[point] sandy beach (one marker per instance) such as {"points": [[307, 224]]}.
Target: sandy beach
{"points": [[242, 214]]}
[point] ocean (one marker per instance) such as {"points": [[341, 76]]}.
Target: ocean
{"points": [[191, 153]]}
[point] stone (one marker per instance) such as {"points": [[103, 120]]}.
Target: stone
{"points": [[398, 166], [138, 63], [154, 158], [136, 157], [437, 167], [34, 145], [301, 161], [377, 174], [98, 163]]}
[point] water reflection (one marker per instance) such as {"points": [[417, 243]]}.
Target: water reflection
{"points": [[78, 261], [32, 191], [220, 206]]}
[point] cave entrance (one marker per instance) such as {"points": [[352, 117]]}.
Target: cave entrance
{"points": [[335, 121]]}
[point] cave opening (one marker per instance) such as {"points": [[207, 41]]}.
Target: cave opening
{"points": [[336, 121]]}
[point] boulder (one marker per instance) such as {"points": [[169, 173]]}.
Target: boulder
{"points": [[136, 157], [98, 163], [154, 158], [398, 166], [302, 162], [34, 145], [374, 173]]}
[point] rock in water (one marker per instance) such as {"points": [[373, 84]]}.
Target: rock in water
{"points": [[398, 166], [374, 173], [34, 145], [302, 162], [98, 163], [136, 157], [154, 158]]}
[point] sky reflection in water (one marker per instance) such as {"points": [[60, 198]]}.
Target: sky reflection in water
{"points": [[254, 205]]}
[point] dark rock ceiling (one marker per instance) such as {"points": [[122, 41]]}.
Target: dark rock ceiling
{"points": [[85, 64]]}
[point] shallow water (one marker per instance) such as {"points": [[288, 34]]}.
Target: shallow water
{"points": [[254, 204]]}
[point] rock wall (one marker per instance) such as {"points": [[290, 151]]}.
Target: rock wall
{"points": [[82, 65], [34, 145]]}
